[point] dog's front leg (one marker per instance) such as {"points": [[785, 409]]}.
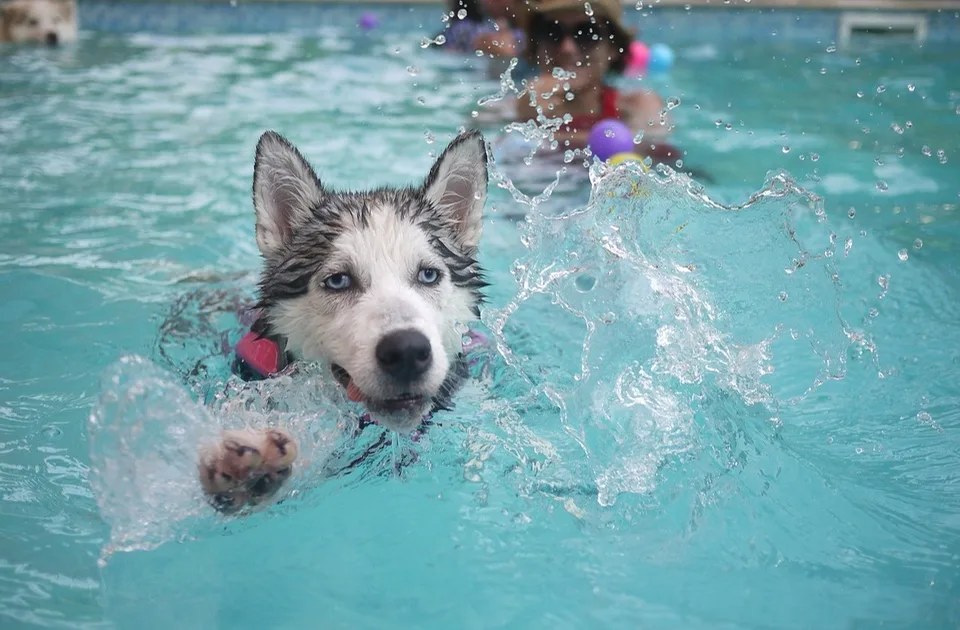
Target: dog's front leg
{"points": [[246, 467]]}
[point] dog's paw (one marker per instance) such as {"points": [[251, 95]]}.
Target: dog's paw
{"points": [[246, 467]]}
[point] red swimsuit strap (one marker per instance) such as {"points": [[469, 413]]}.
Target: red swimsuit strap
{"points": [[609, 98]]}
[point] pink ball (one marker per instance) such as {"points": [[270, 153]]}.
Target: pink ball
{"points": [[638, 57]]}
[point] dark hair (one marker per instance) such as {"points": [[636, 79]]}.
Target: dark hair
{"points": [[472, 7], [620, 40]]}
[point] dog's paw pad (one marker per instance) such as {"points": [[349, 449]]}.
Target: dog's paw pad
{"points": [[279, 450], [246, 467]]}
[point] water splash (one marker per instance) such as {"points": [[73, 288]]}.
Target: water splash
{"points": [[146, 432], [655, 317]]}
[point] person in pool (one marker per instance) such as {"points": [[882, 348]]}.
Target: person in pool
{"points": [[593, 43]]}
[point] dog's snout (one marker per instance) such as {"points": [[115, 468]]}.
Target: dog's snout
{"points": [[52, 39], [404, 354]]}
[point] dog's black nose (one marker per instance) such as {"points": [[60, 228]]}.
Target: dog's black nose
{"points": [[52, 39], [404, 355]]}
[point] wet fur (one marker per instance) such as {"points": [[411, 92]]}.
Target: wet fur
{"points": [[38, 21], [382, 238]]}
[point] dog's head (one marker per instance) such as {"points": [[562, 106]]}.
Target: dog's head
{"points": [[49, 22], [373, 283]]}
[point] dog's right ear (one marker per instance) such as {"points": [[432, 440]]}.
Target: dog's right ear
{"points": [[286, 191]]}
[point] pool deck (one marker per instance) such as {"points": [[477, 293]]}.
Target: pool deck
{"points": [[840, 5], [673, 22]]}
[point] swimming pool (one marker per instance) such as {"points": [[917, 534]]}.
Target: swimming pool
{"points": [[739, 447]]}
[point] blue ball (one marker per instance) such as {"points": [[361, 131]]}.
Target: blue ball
{"points": [[661, 58], [610, 137]]}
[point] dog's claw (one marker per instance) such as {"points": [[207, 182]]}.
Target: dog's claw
{"points": [[246, 467]]}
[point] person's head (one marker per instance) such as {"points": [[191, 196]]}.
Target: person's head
{"points": [[472, 7], [498, 9], [561, 34]]}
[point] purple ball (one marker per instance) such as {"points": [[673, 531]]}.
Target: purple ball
{"points": [[368, 21], [609, 137]]}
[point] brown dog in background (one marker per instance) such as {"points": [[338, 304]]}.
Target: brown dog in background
{"points": [[51, 22]]}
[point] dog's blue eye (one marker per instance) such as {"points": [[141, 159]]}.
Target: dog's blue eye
{"points": [[428, 276], [338, 282]]}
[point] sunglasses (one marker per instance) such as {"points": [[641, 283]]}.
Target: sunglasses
{"points": [[585, 34]]}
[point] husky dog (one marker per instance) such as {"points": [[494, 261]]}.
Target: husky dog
{"points": [[374, 284], [49, 22]]}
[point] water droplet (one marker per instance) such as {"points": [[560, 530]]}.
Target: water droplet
{"points": [[857, 61], [429, 137], [897, 128], [421, 100], [859, 450], [728, 126], [588, 9], [903, 255], [697, 107], [859, 93], [475, 114], [882, 186], [807, 60], [881, 89], [873, 312], [924, 417], [823, 70], [900, 152], [637, 139], [878, 161], [917, 244], [672, 102], [462, 14], [413, 71], [568, 96], [958, 110], [927, 151], [568, 156], [679, 163], [718, 122], [785, 149], [851, 213], [911, 87], [883, 281], [782, 296], [942, 155]]}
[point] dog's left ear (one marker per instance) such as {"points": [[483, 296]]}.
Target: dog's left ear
{"points": [[457, 186]]}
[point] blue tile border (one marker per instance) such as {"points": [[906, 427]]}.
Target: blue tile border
{"points": [[669, 24]]}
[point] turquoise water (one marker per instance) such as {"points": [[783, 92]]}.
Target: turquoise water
{"points": [[723, 408]]}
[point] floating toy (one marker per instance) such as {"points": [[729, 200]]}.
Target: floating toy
{"points": [[638, 59], [610, 137], [368, 21], [661, 58]]}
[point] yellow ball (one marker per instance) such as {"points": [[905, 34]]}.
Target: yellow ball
{"points": [[623, 157]]}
